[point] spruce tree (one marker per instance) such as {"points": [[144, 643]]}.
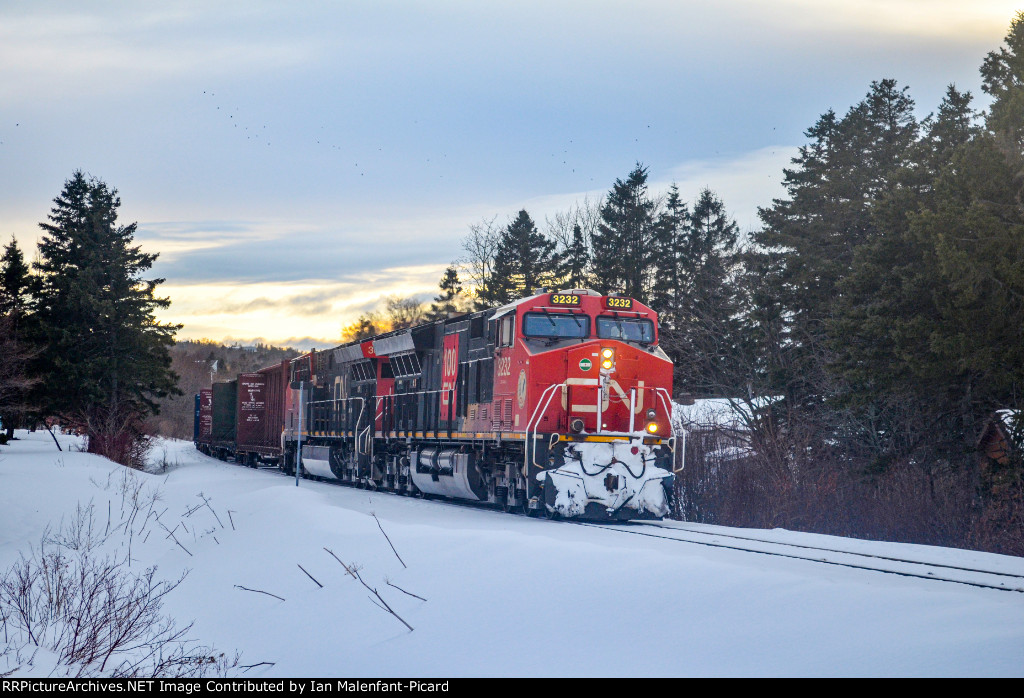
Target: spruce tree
{"points": [[447, 301], [624, 240], [702, 336], [1002, 76], [524, 261], [14, 280], [574, 260], [670, 234], [105, 358], [16, 349]]}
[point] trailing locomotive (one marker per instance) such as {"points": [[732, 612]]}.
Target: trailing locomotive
{"points": [[557, 404]]}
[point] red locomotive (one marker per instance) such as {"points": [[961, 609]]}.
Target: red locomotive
{"points": [[558, 404]]}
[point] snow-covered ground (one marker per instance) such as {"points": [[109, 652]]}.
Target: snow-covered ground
{"points": [[505, 595]]}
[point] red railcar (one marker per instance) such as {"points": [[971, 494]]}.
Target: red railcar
{"points": [[260, 414]]}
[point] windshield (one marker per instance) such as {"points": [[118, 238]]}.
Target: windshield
{"points": [[556, 325], [625, 329]]}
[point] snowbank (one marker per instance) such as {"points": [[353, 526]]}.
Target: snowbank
{"points": [[505, 595]]}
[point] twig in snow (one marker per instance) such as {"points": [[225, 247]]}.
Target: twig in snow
{"points": [[354, 571], [170, 534], [207, 503], [388, 582], [258, 591], [180, 545], [389, 542], [309, 575], [170, 531], [247, 667], [341, 563], [233, 528]]}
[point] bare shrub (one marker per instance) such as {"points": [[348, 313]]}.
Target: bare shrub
{"points": [[823, 492], [89, 614]]}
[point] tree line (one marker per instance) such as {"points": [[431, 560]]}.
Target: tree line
{"points": [[878, 308]]}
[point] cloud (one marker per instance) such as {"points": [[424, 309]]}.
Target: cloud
{"points": [[744, 183], [117, 46], [262, 279], [281, 311]]}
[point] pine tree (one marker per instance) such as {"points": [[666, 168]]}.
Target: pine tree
{"points": [[105, 359], [623, 242], [14, 280], [1002, 76], [670, 234], [702, 337], [524, 261], [448, 301], [837, 183], [16, 347], [573, 261]]}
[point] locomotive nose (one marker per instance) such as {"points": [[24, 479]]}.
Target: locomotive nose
{"points": [[601, 481]]}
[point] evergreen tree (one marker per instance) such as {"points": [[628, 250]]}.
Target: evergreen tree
{"points": [[624, 240], [670, 234], [837, 183], [573, 261], [928, 333], [105, 359], [448, 301], [1002, 76], [709, 248], [16, 347], [14, 280], [809, 240], [702, 337], [524, 261]]}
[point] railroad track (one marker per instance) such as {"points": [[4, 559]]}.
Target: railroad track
{"points": [[873, 562]]}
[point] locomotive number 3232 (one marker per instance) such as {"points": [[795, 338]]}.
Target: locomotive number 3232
{"points": [[564, 299]]}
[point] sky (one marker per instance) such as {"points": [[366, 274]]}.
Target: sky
{"points": [[294, 163]]}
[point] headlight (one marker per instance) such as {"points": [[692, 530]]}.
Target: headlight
{"points": [[652, 428]]}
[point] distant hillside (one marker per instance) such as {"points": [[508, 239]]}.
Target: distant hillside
{"points": [[200, 363]]}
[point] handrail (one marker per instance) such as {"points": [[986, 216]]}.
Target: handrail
{"points": [[549, 391]]}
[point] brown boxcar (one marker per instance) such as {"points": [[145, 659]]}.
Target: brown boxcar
{"points": [[204, 420], [260, 414]]}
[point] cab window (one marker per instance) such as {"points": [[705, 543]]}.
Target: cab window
{"points": [[625, 329], [506, 327], [556, 325]]}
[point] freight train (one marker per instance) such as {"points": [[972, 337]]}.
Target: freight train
{"points": [[557, 404]]}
